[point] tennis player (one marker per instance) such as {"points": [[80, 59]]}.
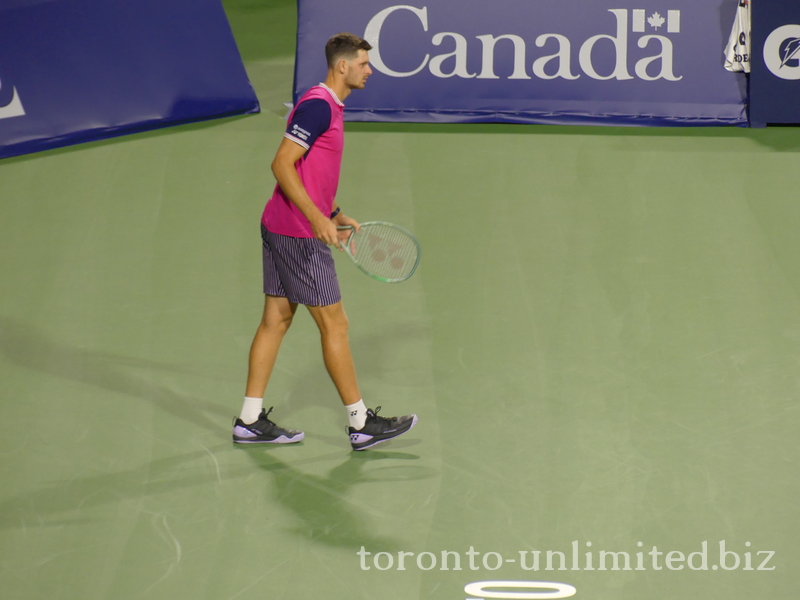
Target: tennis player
{"points": [[298, 226]]}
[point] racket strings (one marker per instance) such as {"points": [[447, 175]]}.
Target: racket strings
{"points": [[384, 251]]}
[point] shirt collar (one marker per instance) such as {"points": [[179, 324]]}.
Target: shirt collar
{"points": [[333, 94]]}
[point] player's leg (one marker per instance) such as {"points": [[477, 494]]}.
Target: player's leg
{"points": [[333, 327], [275, 322], [253, 425], [366, 427]]}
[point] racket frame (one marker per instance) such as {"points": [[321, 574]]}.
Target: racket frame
{"points": [[345, 244]]}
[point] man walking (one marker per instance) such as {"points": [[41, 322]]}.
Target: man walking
{"points": [[298, 225]]}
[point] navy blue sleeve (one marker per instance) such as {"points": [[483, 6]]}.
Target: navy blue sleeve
{"points": [[311, 119]]}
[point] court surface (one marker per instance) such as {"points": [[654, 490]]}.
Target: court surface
{"points": [[602, 343]]}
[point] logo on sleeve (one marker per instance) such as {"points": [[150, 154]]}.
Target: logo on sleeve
{"points": [[300, 133]]}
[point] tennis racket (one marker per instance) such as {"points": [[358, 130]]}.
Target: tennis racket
{"points": [[383, 251]]}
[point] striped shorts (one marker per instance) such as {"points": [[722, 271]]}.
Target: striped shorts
{"points": [[299, 269]]}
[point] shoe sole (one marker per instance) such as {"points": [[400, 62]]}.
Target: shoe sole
{"points": [[278, 440], [372, 444]]}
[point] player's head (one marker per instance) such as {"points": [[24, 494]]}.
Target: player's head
{"points": [[347, 56]]}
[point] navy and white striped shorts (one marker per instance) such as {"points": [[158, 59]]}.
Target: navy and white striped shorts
{"points": [[299, 269]]}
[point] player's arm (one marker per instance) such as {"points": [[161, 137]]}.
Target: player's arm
{"points": [[283, 167]]}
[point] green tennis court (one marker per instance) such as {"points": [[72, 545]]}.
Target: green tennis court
{"points": [[602, 343]]}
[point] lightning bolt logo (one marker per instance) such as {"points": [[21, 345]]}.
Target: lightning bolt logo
{"points": [[13, 108], [791, 51]]}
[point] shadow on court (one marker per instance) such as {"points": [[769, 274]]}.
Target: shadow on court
{"points": [[327, 510], [29, 347], [63, 502]]}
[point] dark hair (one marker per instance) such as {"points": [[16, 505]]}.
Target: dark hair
{"points": [[344, 45]]}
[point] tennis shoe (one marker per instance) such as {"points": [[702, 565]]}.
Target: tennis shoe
{"points": [[379, 429], [264, 431]]}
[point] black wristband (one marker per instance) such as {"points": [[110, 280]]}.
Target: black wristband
{"points": [[336, 212]]}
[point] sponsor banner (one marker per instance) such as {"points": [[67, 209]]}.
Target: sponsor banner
{"points": [[78, 70], [633, 62], [775, 67]]}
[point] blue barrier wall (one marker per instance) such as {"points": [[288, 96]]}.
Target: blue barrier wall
{"points": [[775, 66], [638, 62], [78, 70]]}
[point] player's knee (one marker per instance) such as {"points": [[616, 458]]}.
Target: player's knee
{"points": [[336, 325], [277, 322], [343, 325]]}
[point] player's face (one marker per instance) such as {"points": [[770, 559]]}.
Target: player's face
{"points": [[358, 70]]}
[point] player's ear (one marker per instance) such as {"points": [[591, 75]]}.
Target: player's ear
{"points": [[342, 66]]}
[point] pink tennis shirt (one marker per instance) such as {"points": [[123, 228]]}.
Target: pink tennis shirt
{"points": [[317, 124]]}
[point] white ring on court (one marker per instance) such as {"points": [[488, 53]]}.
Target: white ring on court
{"points": [[559, 590]]}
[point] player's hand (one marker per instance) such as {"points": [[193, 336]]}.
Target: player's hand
{"points": [[325, 231], [343, 220]]}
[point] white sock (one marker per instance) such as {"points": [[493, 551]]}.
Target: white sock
{"points": [[357, 414], [251, 409]]}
